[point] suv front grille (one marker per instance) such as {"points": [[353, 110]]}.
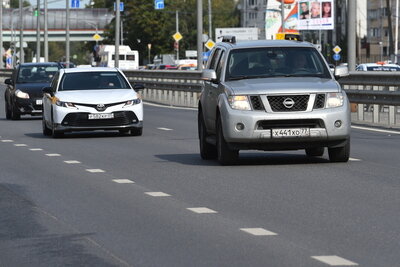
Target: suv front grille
{"points": [[319, 101], [278, 124], [256, 102], [288, 103], [81, 120]]}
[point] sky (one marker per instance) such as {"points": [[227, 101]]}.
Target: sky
{"points": [[59, 3]]}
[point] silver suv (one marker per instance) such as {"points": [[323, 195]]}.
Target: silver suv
{"points": [[272, 95]]}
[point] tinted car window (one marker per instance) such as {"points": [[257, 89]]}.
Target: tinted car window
{"points": [[36, 74], [93, 81], [276, 61]]}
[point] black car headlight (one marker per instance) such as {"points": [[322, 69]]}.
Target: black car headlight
{"points": [[132, 102], [65, 104], [20, 94]]}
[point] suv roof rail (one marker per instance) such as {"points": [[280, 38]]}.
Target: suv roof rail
{"points": [[229, 39]]}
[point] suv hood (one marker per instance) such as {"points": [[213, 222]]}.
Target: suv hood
{"points": [[97, 96], [283, 85]]}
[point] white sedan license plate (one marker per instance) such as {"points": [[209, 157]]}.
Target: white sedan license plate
{"points": [[99, 116], [294, 132], [39, 101]]}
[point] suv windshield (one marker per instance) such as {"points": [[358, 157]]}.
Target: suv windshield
{"points": [[93, 81], [36, 74], [274, 62]]}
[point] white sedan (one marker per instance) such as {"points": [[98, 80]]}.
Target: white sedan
{"points": [[84, 99]]}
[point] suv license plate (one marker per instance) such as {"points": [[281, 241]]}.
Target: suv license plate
{"points": [[294, 132], [39, 101], [99, 116]]}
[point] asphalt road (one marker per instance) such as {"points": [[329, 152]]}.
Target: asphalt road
{"points": [[103, 199]]}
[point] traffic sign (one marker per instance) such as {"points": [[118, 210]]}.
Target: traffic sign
{"points": [[206, 55], [336, 57], [75, 3], [337, 49], [210, 44], [158, 4], [121, 7], [177, 36], [96, 37]]}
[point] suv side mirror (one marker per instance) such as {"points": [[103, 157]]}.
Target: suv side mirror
{"points": [[209, 75], [8, 81], [341, 71], [48, 90]]}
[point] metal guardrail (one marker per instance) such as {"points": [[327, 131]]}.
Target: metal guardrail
{"points": [[374, 95]]}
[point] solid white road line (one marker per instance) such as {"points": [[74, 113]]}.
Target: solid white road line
{"points": [[257, 231], [20, 145], [123, 181], [334, 261], [35, 149], [72, 161], [53, 155], [7, 141], [375, 130], [164, 129], [157, 194], [202, 210], [94, 170]]}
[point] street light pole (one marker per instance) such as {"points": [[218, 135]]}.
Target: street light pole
{"points": [[21, 33], [46, 36], [117, 33], [38, 32], [1, 34], [283, 15], [67, 35], [199, 34]]}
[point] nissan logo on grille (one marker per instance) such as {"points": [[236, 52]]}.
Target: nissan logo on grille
{"points": [[101, 107], [288, 103]]}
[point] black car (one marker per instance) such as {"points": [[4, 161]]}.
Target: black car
{"points": [[24, 89]]}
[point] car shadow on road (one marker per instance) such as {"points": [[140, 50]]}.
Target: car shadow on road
{"points": [[81, 135], [246, 159]]}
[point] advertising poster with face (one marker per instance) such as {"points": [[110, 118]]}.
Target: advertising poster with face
{"points": [[316, 15]]}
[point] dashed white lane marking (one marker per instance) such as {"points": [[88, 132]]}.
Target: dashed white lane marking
{"points": [[72, 161], [164, 129], [35, 149], [53, 155], [20, 145], [257, 231], [94, 170], [354, 159], [202, 210], [375, 130], [7, 141], [334, 261], [123, 181], [157, 194]]}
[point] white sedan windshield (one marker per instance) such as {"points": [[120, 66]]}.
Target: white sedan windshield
{"points": [[93, 81]]}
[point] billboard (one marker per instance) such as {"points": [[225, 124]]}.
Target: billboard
{"points": [[242, 34], [299, 15], [316, 15]]}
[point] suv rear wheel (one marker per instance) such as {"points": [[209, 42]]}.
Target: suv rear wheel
{"points": [[207, 151], [340, 154], [226, 156]]}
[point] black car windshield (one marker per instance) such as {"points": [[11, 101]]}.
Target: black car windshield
{"points": [[275, 62], [93, 81], [36, 74]]}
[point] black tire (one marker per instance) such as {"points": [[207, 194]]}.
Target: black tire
{"points": [[15, 115], [225, 155], [315, 151], [46, 130], [339, 154], [136, 131], [8, 112], [207, 151]]}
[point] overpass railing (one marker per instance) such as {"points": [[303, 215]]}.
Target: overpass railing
{"points": [[374, 96]]}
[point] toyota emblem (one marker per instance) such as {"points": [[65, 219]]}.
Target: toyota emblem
{"points": [[288, 102], [101, 107]]}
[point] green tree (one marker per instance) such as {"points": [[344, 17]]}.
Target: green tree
{"points": [[15, 3]]}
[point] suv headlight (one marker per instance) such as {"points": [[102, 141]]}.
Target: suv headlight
{"points": [[20, 94], [132, 102], [334, 100], [240, 102], [65, 104]]}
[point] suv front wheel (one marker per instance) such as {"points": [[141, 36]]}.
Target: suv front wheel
{"points": [[340, 154], [226, 156], [207, 150]]}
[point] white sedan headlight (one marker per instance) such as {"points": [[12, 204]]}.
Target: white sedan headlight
{"points": [[132, 102], [20, 94], [334, 100], [240, 102], [65, 104]]}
